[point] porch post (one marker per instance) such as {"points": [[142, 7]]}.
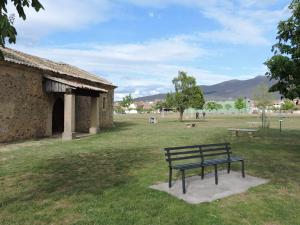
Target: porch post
{"points": [[69, 118], [94, 117]]}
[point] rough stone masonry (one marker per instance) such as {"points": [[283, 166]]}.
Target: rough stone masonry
{"points": [[27, 109]]}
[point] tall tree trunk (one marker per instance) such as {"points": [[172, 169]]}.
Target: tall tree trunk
{"points": [[263, 118], [181, 115]]}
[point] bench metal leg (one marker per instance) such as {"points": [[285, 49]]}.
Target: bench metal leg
{"points": [[170, 177], [228, 167], [183, 181], [216, 174], [243, 168], [202, 172]]}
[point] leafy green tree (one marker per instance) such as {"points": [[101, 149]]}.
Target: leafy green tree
{"points": [[126, 101], [119, 109], [187, 94], [284, 66], [158, 105], [7, 30], [170, 101], [288, 105], [211, 106], [219, 106], [240, 104], [263, 98], [140, 109], [228, 107]]}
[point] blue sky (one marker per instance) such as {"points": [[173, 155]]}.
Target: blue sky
{"points": [[140, 45]]}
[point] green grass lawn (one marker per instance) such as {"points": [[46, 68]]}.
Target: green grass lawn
{"points": [[105, 179]]}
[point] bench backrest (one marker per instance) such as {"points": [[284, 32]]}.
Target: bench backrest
{"points": [[197, 152]]}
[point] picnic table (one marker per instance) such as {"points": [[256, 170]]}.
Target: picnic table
{"points": [[190, 125], [236, 131], [254, 124]]}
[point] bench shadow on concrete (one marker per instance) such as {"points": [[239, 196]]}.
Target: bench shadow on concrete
{"points": [[199, 191]]}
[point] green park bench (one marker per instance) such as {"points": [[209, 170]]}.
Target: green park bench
{"points": [[200, 156]]}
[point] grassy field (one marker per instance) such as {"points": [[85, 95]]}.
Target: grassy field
{"points": [[105, 179]]}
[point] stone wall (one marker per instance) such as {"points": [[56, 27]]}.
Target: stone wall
{"points": [[25, 111], [106, 109], [82, 113]]}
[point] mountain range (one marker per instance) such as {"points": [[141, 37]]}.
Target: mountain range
{"points": [[227, 90]]}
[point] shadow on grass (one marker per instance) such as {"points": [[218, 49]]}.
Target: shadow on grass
{"points": [[121, 126], [194, 120], [71, 174], [272, 154]]}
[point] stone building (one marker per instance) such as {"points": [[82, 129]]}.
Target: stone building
{"points": [[40, 98]]}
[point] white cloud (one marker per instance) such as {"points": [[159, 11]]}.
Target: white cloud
{"points": [[240, 22], [63, 15], [163, 50], [141, 69], [151, 14]]}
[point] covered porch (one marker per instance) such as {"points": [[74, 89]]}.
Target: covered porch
{"points": [[68, 90]]}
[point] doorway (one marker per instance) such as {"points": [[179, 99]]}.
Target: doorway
{"points": [[58, 116]]}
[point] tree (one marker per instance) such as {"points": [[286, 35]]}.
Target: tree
{"points": [[7, 30], [119, 109], [140, 108], [228, 107], [170, 101], [219, 106], [240, 104], [211, 106], [263, 98], [284, 66], [187, 94], [288, 105], [158, 106], [126, 101]]}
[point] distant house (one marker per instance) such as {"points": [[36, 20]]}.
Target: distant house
{"points": [[40, 98], [132, 109]]}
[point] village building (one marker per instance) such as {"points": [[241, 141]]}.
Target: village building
{"points": [[40, 98], [132, 109]]}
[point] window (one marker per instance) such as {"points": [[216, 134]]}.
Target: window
{"points": [[104, 103]]}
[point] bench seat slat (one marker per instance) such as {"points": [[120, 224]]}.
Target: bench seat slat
{"points": [[205, 163], [221, 161], [187, 166]]}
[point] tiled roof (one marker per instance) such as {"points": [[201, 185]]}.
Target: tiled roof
{"points": [[18, 57]]}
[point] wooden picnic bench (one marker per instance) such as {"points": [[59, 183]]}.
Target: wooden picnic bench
{"points": [[189, 125], [254, 124], [236, 131], [200, 156]]}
